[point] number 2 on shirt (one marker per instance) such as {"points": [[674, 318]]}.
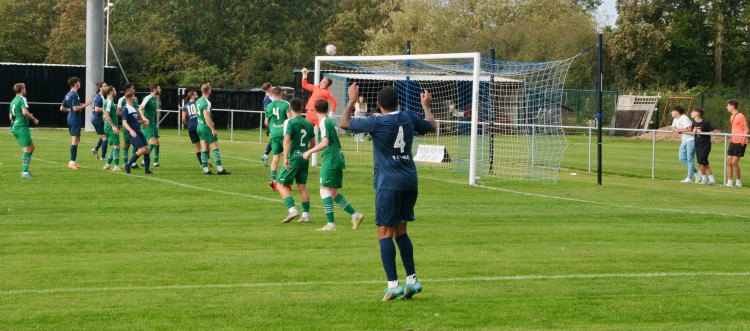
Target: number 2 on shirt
{"points": [[304, 134], [400, 139]]}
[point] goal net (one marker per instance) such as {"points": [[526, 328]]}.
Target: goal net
{"points": [[493, 117]]}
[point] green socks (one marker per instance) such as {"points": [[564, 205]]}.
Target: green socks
{"points": [[125, 153], [110, 156], [344, 204], [156, 154], [217, 157], [289, 202], [116, 155], [273, 174], [305, 207], [26, 159], [328, 208], [204, 159]]}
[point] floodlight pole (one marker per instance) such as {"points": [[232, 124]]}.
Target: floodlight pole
{"points": [[106, 47], [94, 53], [599, 107]]}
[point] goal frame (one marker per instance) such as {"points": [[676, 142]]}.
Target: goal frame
{"points": [[476, 71]]}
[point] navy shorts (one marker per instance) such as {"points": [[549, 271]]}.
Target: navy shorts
{"points": [[74, 129], [394, 206], [98, 126], [194, 138], [138, 142]]}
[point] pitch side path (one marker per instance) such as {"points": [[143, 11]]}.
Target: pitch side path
{"points": [[90, 249]]}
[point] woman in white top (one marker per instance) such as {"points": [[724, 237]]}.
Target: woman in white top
{"points": [[360, 111], [681, 124]]}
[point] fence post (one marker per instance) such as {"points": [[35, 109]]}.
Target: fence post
{"points": [[725, 160], [231, 134], [653, 155], [260, 129], [589, 150]]}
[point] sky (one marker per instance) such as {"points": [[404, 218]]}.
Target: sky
{"points": [[607, 9]]}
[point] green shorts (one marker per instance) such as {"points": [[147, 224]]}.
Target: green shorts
{"points": [[205, 134], [125, 135], [277, 145], [331, 177], [23, 135], [151, 131], [112, 138], [288, 177]]}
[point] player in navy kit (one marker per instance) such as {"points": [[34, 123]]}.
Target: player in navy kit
{"points": [[395, 179], [97, 120], [72, 105], [132, 124]]}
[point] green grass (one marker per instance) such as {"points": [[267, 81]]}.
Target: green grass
{"points": [[182, 251]]}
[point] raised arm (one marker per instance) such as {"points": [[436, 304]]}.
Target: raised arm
{"points": [[81, 107], [305, 84], [426, 99], [353, 96]]}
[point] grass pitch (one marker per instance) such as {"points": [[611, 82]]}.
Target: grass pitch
{"points": [[91, 249]]}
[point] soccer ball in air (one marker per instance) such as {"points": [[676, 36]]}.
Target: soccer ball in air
{"points": [[330, 49]]}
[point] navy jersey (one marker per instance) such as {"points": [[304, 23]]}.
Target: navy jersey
{"points": [[266, 100], [191, 111], [392, 137], [98, 102], [130, 115], [71, 100]]}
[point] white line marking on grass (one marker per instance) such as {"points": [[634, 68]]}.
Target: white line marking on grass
{"points": [[592, 202], [437, 280]]}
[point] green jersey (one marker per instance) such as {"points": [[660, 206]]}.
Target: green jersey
{"points": [[16, 110], [109, 108], [149, 108], [203, 104], [300, 131], [276, 114], [333, 155]]}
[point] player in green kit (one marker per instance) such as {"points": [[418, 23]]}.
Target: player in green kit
{"points": [[19, 117], [125, 139], [276, 113], [110, 128], [331, 170], [297, 134], [148, 110], [207, 132]]}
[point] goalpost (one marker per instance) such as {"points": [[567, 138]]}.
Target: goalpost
{"points": [[495, 119]]}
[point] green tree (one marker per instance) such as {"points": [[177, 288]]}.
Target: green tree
{"points": [[25, 28], [67, 42]]}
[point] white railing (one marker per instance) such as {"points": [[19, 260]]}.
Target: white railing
{"points": [[180, 125]]}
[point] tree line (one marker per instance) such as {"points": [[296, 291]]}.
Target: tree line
{"points": [[655, 44]]}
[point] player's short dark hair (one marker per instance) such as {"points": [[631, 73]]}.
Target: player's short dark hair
{"points": [[678, 109], [18, 87], [699, 111], [127, 87], [266, 86], [734, 103], [109, 90], [388, 98], [295, 104], [153, 87], [321, 106], [330, 81], [277, 91], [129, 95], [73, 80]]}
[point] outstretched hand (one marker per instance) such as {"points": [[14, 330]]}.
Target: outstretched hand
{"points": [[304, 71], [353, 92], [426, 99]]}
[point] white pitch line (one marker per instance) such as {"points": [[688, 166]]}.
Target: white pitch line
{"points": [[593, 202], [437, 280]]}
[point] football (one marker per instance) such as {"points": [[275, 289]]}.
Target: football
{"points": [[330, 49]]}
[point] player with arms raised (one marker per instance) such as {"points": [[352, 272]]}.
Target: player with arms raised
{"points": [[19, 119], [207, 132], [332, 169], [395, 179], [277, 112], [148, 112], [297, 134]]}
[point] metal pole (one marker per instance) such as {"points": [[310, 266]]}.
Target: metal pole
{"points": [[106, 48], [474, 121], [589, 150], [314, 161], [725, 160], [599, 107], [231, 132], [94, 54], [653, 156]]}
